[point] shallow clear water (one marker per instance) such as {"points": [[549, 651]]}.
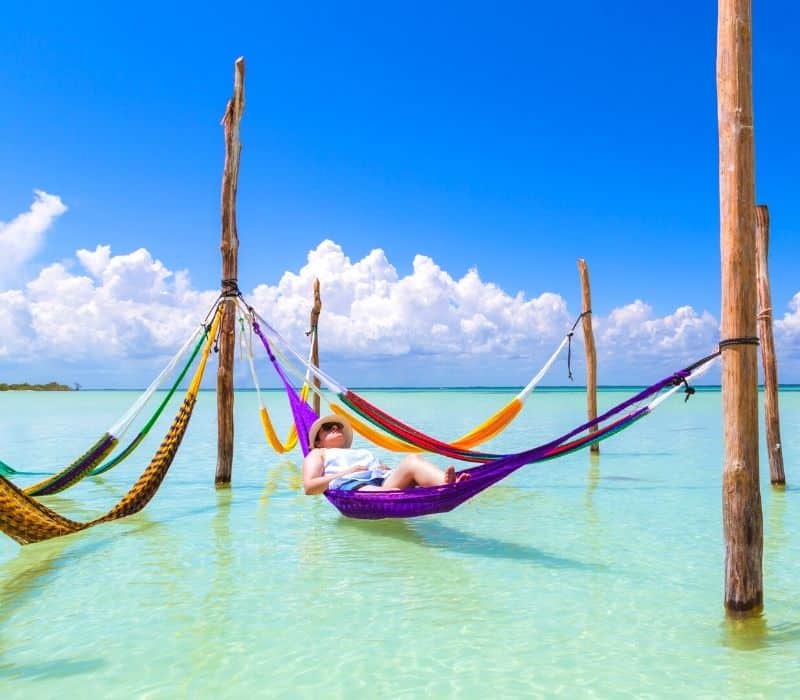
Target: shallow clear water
{"points": [[577, 577]]}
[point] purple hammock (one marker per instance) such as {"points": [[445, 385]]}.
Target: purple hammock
{"points": [[427, 500]]}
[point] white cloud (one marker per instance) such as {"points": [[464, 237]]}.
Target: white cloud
{"points": [[787, 329], [135, 276], [14, 317], [635, 346], [127, 312], [129, 306], [22, 237], [787, 342], [631, 332], [369, 311]]}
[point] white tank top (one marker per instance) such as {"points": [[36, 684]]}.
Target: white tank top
{"points": [[337, 458]]}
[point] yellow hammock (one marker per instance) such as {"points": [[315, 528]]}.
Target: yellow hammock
{"points": [[271, 435], [26, 520]]}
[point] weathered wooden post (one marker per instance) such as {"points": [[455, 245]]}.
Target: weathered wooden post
{"points": [[314, 324], [591, 353], [771, 415], [741, 501], [230, 270]]}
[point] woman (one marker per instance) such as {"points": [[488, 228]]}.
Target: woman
{"points": [[333, 463]]}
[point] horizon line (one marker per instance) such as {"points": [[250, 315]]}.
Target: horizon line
{"points": [[475, 387]]}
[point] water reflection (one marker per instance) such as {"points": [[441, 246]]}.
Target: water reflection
{"points": [[28, 573], [745, 634], [221, 529], [223, 577], [755, 633], [287, 472], [592, 480], [776, 537]]}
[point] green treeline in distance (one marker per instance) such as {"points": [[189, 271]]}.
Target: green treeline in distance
{"points": [[51, 386]]}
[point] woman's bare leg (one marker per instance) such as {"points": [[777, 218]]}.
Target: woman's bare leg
{"points": [[416, 471]]}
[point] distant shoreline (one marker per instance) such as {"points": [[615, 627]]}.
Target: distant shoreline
{"points": [[25, 386]]}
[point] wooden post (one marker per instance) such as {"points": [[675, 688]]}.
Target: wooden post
{"points": [[741, 501], [771, 416], [230, 270], [314, 340], [591, 353]]}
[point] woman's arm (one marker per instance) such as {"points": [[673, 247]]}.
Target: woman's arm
{"points": [[314, 479]]}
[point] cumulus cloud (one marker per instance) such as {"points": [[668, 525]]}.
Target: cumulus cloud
{"points": [[22, 237], [102, 307], [636, 346], [632, 331], [117, 307], [14, 318], [370, 311], [124, 310], [787, 341], [787, 329]]}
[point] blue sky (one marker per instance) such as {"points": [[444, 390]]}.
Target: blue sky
{"points": [[510, 140]]}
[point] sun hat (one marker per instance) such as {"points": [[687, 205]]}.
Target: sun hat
{"points": [[347, 431]]}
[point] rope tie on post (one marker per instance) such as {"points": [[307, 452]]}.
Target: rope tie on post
{"points": [[722, 345], [230, 288], [588, 312], [729, 342]]}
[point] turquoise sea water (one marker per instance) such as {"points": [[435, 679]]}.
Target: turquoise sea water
{"points": [[579, 577]]}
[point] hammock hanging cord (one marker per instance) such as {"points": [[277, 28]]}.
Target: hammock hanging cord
{"points": [[402, 437]]}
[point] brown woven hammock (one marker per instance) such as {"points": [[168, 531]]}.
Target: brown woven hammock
{"points": [[26, 520]]}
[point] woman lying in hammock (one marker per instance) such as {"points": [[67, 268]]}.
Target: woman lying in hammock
{"points": [[334, 464]]}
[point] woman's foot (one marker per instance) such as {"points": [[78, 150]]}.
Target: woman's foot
{"points": [[451, 477]]}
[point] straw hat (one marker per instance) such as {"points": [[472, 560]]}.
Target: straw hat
{"points": [[347, 431]]}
